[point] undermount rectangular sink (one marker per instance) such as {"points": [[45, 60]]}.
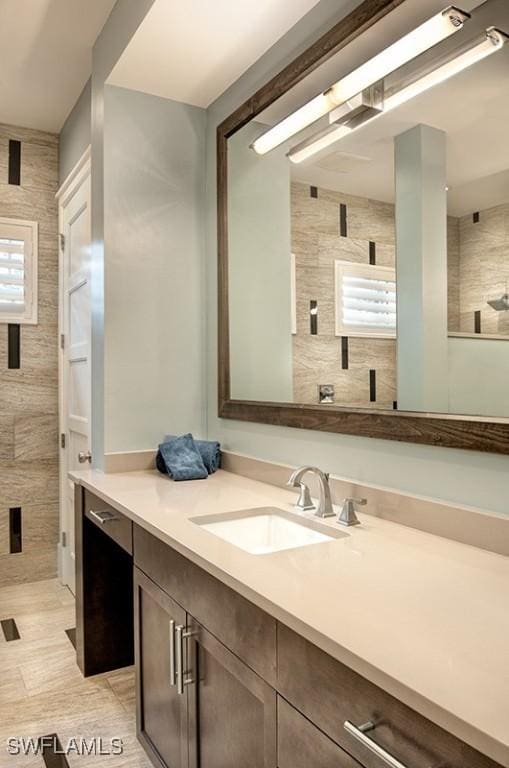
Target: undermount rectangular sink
{"points": [[267, 529]]}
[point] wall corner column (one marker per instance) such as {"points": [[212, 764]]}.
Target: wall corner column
{"points": [[421, 262]]}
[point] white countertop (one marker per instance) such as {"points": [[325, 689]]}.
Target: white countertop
{"points": [[423, 617]]}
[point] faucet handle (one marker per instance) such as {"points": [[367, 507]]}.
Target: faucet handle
{"points": [[348, 516], [304, 501]]}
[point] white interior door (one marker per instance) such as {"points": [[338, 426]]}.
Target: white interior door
{"points": [[75, 379]]}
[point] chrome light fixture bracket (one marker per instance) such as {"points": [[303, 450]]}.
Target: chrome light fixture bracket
{"points": [[360, 108], [497, 36], [456, 16]]}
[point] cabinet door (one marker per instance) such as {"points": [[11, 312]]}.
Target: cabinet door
{"points": [[232, 711], [161, 714]]}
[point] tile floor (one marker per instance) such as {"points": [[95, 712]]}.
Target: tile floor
{"points": [[43, 692]]}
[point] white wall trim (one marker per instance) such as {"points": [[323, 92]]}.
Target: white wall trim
{"points": [[70, 182], [74, 180]]}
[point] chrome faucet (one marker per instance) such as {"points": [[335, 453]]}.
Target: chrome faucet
{"points": [[325, 502]]}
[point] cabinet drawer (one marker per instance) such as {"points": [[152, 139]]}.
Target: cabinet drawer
{"points": [[329, 693], [301, 745], [113, 523], [248, 631]]}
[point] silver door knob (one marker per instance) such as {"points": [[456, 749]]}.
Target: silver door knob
{"points": [[84, 457]]}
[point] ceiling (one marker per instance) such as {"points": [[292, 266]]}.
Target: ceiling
{"points": [[193, 51], [46, 57]]}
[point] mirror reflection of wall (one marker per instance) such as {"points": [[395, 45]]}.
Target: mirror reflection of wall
{"points": [[378, 261], [333, 235], [479, 259]]}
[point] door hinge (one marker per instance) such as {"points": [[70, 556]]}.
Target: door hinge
{"points": [[62, 440], [62, 241], [62, 341], [64, 539]]}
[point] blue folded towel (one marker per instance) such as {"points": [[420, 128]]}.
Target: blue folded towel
{"points": [[182, 459], [210, 452]]}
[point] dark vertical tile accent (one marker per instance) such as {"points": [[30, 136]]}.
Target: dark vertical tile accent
{"points": [[477, 321], [71, 634], [9, 629], [14, 162], [372, 386], [476, 217], [372, 252], [342, 220], [344, 353], [313, 317], [13, 345], [51, 751], [15, 530], [394, 405], [313, 191]]}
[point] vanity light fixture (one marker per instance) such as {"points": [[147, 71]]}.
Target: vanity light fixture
{"points": [[492, 40], [408, 47]]}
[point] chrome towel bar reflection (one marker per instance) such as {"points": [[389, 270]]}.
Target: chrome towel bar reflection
{"points": [[359, 733]]}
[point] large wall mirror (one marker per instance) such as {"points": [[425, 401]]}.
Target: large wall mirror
{"points": [[364, 231]]}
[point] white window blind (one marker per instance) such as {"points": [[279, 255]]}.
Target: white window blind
{"points": [[365, 300], [18, 271]]}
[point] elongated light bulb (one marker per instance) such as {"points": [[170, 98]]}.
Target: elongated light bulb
{"points": [[420, 39], [405, 49], [493, 40], [307, 115]]}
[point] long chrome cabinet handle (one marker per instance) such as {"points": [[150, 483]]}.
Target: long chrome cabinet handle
{"points": [[102, 517], [359, 733], [182, 634], [173, 673]]}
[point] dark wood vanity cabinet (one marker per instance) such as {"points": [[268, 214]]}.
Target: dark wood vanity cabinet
{"points": [[104, 585], [300, 744], [224, 715], [329, 693], [221, 683], [257, 694], [232, 711], [161, 712]]}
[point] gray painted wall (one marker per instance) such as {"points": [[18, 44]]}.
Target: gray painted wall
{"points": [[75, 133], [459, 476], [154, 199], [420, 161], [259, 256], [121, 25], [478, 376]]}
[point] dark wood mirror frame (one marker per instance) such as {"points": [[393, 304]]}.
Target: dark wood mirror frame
{"points": [[453, 431]]}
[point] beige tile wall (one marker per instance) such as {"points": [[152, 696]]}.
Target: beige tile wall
{"points": [[453, 273], [484, 269], [28, 396], [317, 244]]}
